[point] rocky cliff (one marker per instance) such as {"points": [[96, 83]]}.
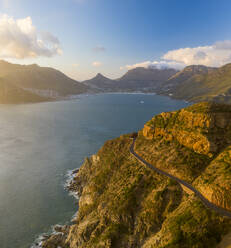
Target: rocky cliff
{"points": [[124, 204], [204, 128]]}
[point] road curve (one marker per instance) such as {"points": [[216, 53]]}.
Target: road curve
{"points": [[206, 202]]}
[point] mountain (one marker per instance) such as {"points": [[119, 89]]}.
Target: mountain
{"points": [[194, 83], [144, 79], [138, 79], [100, 83], [182, 76], [210, 84], [32, 83], [124, 203]]}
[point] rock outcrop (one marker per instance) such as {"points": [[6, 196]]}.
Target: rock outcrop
{"points": [[201, 128]]}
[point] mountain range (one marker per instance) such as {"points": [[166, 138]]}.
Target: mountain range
{"points": [[194, 83], [138, 79], [32, 83]]}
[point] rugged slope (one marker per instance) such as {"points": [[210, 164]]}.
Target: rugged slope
{"points": [[123, 204], [212, 84], [35, 83]]}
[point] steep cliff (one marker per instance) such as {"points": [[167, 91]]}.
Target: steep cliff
{"points": [[124, 204]]}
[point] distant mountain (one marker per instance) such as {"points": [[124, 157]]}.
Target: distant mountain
{"points": [[200, 83], [145, 79], [138, 79], [100, 83], [185, 74], [32, 83]]}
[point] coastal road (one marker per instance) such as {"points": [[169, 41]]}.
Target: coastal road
{"points": [[206, 202]]}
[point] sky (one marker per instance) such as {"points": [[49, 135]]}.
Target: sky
{"points": [[84, 37]]}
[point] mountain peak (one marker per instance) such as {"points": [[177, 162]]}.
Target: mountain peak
{"points": [[99, 75]]}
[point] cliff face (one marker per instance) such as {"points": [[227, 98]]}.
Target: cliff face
{"points": [[201, 128], [215, 181], [123, 204], [205, 129]]}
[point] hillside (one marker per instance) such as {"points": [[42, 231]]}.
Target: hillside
{"points": [[32, 83], [182, 76], [209, 84], [11, 94], [126, 205]]}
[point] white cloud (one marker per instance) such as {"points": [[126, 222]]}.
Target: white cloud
{"points": [[216, 54], [97, 63], [155, 64], [99, 49], [20, 39]]}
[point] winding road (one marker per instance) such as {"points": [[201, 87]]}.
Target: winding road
{"points": [[206, 202]]}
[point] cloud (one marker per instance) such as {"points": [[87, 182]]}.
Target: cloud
{"points": [[99, 49], [20, 39], [216, 54], [155, 64], [97, 63]]}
